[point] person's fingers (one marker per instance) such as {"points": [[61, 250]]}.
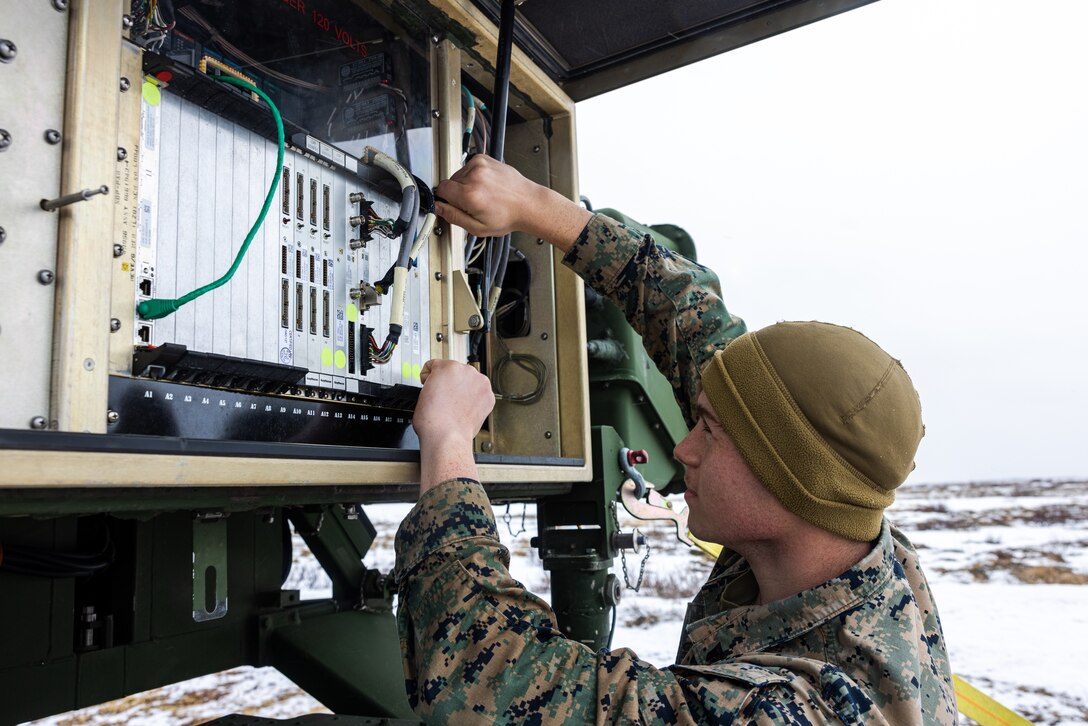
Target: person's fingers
{"points": [[451, 190], [455, 216], [460, 174], [425, 372], [481, 160]]}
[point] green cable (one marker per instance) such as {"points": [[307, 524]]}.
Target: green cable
{"points": [[161, 307]]}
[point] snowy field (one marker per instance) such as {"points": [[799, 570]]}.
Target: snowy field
{"points": [[1008, 563]]}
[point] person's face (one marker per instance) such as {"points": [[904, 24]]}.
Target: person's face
{"points": [[726, 502]]}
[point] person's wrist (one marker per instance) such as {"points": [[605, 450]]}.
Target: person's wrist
{"points": [[448, 457], [446, 441], [556, 219]]}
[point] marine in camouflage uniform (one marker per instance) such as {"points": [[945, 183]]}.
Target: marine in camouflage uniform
{"points": [[865, 647]]}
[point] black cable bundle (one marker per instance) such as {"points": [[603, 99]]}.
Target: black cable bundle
{"points": [[498, 252], [37, 562]]}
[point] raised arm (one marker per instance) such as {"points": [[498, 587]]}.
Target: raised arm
{"points": [[674, 303]]}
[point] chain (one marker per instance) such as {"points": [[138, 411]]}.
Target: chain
{"points": [[623, 557], [508, 519]]}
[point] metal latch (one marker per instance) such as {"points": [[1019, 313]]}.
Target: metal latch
{"points": [[642, 501]]}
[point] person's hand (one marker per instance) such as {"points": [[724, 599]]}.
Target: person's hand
{"points": [[486, 198], [455, 401], [489, 199]]}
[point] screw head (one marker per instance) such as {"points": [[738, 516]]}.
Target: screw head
{"points": [[8, 51], [60, 5], [536, 149], [52, 136], [435, 113], [45, 277], [126, 21], [5, 139], [438, 230], [547, 434], [118, 250], [543, 336], [121, 154], [487, 446], [439, 337], [88, 364], [112, 416], [38, 422], [439, 276], [474, 321], [125, 85], [115, 325]]}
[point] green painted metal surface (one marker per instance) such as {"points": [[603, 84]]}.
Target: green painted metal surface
{"points": [[350, 661], [576, 544], [628, 392]]}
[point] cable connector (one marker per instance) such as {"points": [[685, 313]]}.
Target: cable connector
{"points": [[157, 308]]}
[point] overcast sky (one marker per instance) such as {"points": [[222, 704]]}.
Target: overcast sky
{"points": [[916, 169]]}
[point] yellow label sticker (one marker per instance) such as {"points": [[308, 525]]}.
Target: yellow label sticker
{"points": [[341, 359], [353, 313], [152, 94], [406, 370], [416, 368], [124, 267], [326, 356]]}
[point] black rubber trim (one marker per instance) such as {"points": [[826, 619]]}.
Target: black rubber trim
{"points": [[135, 444]]}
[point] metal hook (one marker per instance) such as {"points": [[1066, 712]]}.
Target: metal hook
{"points": [[628, 459]]}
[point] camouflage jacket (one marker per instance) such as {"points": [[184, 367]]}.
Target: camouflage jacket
{"points": [[673, 303], [863, 648]]}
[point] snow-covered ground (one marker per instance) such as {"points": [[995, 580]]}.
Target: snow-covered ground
{"points": [[1008, 563]]}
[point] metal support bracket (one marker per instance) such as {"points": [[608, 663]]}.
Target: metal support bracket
{"points": [[209, 568], [466, 313], [339, 536]]}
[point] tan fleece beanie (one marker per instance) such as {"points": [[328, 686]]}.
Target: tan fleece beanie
{"points": [[825, 418]]}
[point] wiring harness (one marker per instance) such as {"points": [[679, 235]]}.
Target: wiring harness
{"points": [[395, 280], [37, 562], [152, 22]]}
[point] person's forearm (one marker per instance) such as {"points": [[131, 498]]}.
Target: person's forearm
{"points": [[480, 649], [673, 303], [448, 458]]}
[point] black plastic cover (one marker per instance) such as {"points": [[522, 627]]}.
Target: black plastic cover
{"points": [[594, 47]]}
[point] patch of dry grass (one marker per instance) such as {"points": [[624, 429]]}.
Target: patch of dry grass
{"points": [[1024, 566]]}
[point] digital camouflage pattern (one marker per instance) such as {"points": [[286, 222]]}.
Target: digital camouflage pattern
{"points": [[863, 648], [673, 303]]}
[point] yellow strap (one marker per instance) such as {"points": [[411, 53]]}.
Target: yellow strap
{"points": [[976, 705], [709, 547]]}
